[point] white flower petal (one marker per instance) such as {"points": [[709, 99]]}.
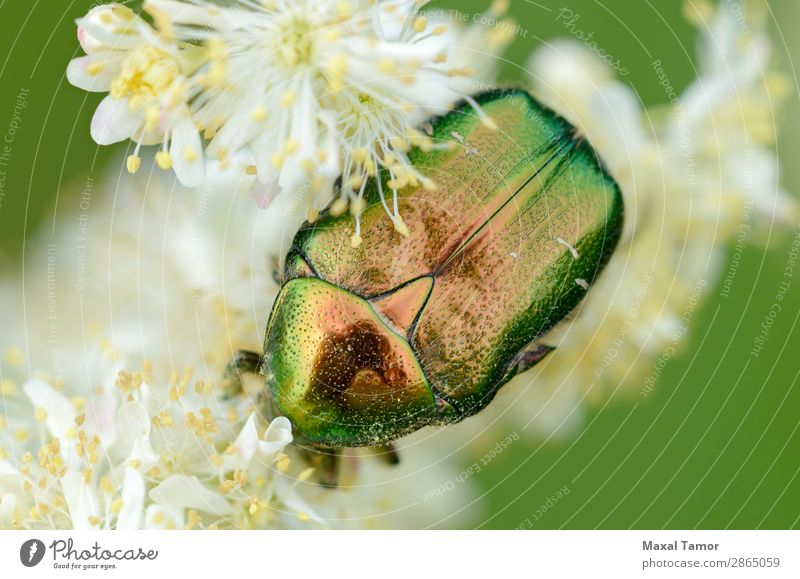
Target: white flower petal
{"points": [[94, 72], [6, 468], [186, 151], [134, 420], [185, 13], [7, 506], [245, 446], [277, 436], [113, 121], [132, 497], [60, 413], [103, 418], [180, 491], [265, 193], [110, 26], [81, 499], [285, 490]]}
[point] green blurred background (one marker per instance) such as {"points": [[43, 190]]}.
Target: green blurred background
{"points": [[715, 446]]}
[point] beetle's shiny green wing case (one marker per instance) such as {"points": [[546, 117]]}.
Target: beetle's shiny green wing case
{"points": [[483, 171], [523, 218], [517, 276]]}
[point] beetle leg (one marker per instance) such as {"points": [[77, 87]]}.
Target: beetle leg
{"points": [[325, 462], [277, 276], [388, 452], [243, 362], [530, 356]]}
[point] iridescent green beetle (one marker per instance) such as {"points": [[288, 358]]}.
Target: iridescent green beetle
{"points": [[367, 344]]}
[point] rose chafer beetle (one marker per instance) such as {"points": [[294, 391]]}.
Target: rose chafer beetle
{"points": [[367, 344]]}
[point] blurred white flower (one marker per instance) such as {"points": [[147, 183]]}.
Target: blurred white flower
{"points": [[145, 76]]}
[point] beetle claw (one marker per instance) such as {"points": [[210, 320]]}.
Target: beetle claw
{"points": [[388, 452], [531, 356]]}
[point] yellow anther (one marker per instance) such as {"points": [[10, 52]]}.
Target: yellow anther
{"points": [[401, 227], [163, 160], [133, 163], [163, 420], [317, 183], [386, 66], [258, 114], [192, 520], [190, 154], [429, 185], [288, 98], [339, 207], [399, 143], [460, 71], [307, 165], [357, 206], [106, 485], [291, 146], [283, 463], [355, 181], [499, 8], [240, 477], [14, 356], [122, 12], [8, 387]]}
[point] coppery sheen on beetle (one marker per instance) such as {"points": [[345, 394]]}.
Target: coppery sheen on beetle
{"points": [[367, 344]]}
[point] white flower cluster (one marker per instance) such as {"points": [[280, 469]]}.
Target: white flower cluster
{"points": [[111, 412], [299, 93]]}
